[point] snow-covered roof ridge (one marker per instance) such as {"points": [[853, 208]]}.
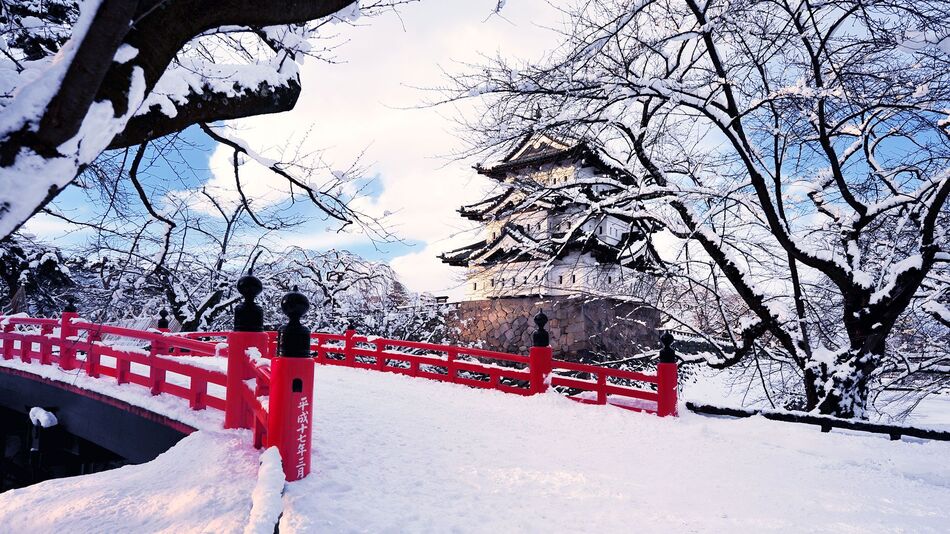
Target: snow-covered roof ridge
{"points": [[539, 149]]}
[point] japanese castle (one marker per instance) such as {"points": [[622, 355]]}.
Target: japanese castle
{"points": [[539, 235]]}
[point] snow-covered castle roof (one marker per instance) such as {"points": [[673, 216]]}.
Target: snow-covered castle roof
{"points": [[514, 242]]}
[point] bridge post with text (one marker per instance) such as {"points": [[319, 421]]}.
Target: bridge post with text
{"points": [[290, 411], [667, 374], [248, 339]]}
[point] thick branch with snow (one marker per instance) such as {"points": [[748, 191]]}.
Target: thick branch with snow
{"points": [[123, 72]]}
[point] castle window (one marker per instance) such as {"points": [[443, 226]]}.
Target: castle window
{"points": [[573, 279], [560, 279], [600, 229], [493, 282], [474, 286], [610, 280]]}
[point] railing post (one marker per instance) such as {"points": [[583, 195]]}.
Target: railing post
{"points": [[162, 323], [290, 412], [46, 347], [92, 356], [348, 355], [8, 341], [67, 347], [248, 335], [26, 349], [380, 357], [540, 356], [667, 378], [450, 368]]}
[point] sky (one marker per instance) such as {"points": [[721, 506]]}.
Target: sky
{"points": [[370, 101]]}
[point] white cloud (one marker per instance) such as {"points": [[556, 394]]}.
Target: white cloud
{"points": [[423, 271], [370, 102]]}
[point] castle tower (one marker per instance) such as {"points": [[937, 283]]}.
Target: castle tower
{"points": [[542, 246], [537, 244]]}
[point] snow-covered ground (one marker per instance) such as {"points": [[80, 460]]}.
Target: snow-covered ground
{"points": [[392, 453], [933, 412], [203, 484]]}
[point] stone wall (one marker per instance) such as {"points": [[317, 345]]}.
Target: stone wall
{"points": [[581, 329]]}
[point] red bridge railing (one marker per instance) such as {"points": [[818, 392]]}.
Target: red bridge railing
{"points": [[263, 381], [73, 343], [511, 373]]}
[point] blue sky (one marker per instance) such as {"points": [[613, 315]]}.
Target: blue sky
{"points": [[368, 103]]}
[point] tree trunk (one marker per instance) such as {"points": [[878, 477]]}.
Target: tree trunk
{"points": [[811, 390], [846, 385]]}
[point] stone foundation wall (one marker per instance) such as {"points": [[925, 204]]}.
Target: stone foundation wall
{"points": [[589, 330]]}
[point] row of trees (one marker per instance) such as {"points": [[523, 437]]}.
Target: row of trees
{"points": [[797, 151], [344, 289]]}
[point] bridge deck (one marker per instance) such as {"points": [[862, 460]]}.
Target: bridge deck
{"points": [[392, 453]]}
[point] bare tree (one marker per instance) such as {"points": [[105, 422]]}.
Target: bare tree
{"points": [[802, 145], [112, 74]]}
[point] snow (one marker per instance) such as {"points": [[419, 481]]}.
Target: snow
{"points": [[41, 417], [933, 412], [33, 92], [125, 53], [395, 453], [937, 309], [411, 455], [907, 264], [192, 76], [349, 14], [267, 506], [43, 80], [182, 490]]}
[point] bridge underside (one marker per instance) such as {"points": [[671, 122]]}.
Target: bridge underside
{"points": [[131, 432]]}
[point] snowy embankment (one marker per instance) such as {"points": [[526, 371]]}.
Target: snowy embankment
{"points": [[392, 453], [203, 484]]}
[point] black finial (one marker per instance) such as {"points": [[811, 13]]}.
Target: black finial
{"points": [[295, 337], [248, 316], [541, 337], [70, 305], [163, 318], [667, 354]]}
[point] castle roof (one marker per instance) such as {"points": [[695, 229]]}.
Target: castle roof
{"points": [[536, 150], [514, 244]]}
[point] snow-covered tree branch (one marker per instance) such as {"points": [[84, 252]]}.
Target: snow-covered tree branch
{"points": [[95, 74]]}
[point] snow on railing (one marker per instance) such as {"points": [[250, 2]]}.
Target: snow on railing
{"points": [[73, 343], [511, 373]]}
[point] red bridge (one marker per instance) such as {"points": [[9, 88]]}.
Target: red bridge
{"points": [[264, 380]]}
